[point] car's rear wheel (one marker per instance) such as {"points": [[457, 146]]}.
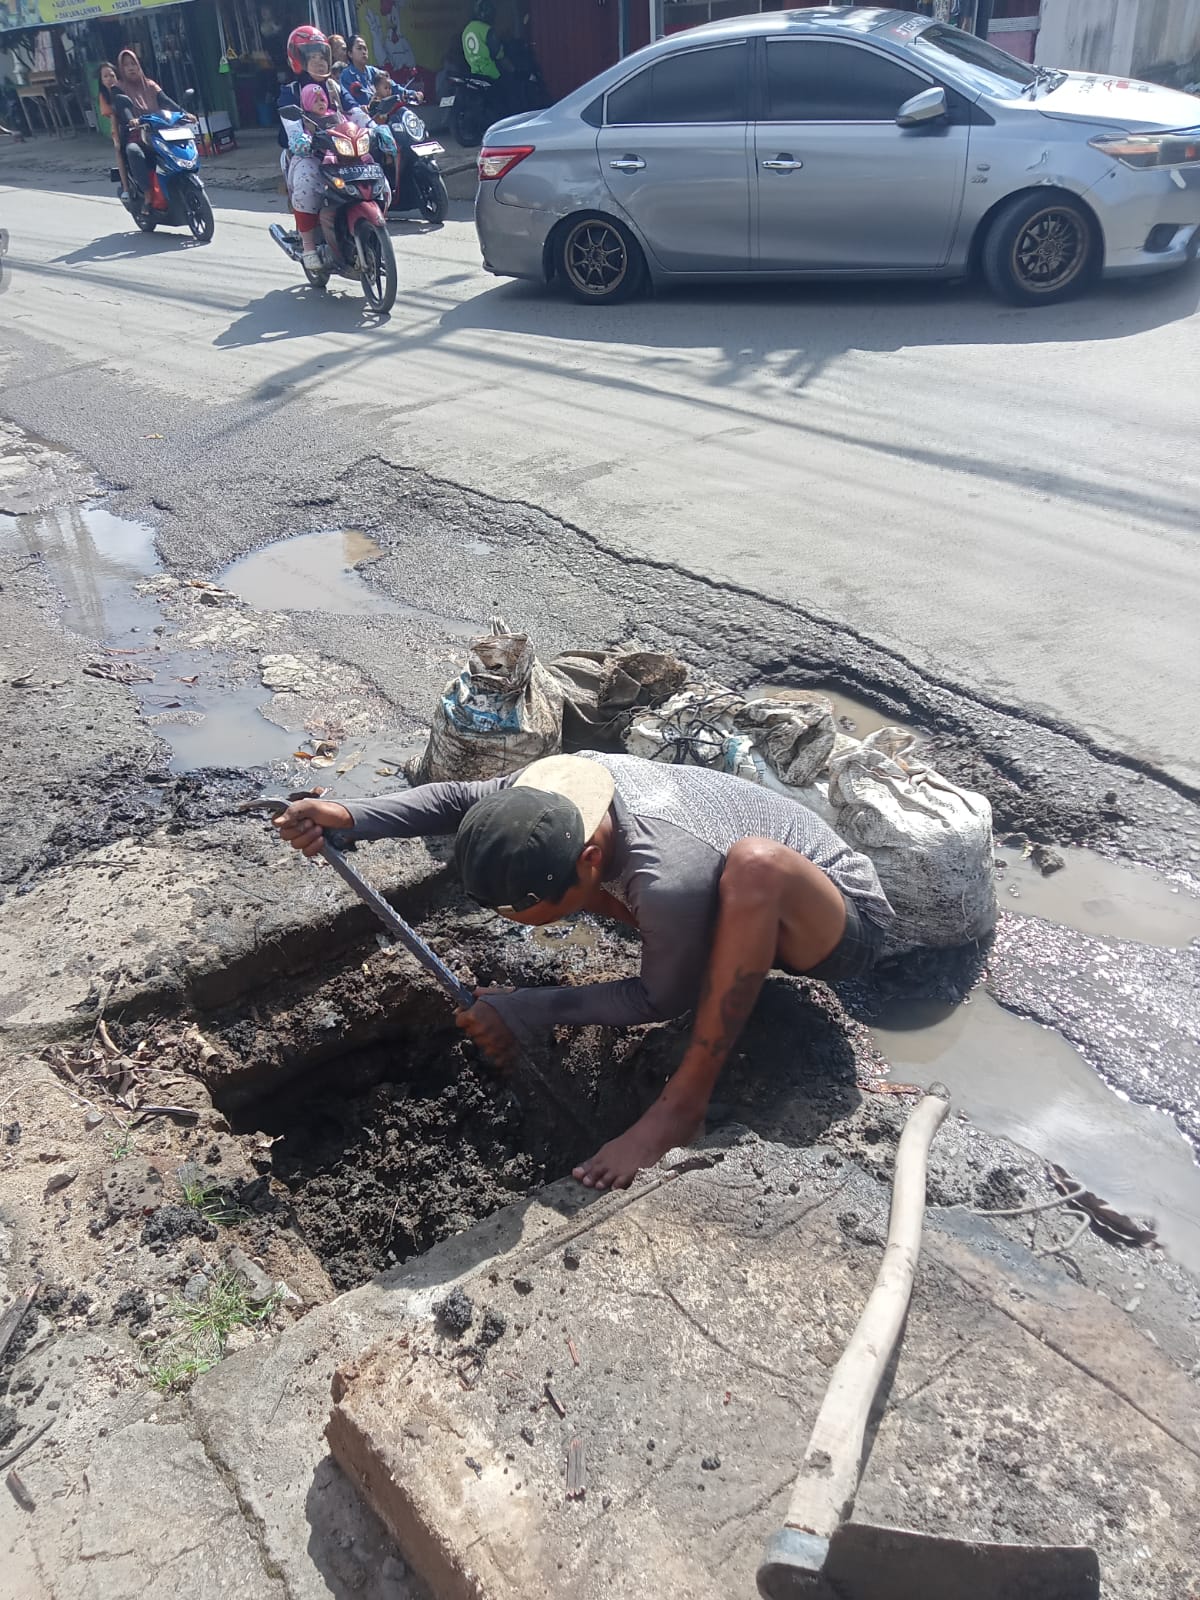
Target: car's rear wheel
{"points": [[1040, 248], [600, 261]]}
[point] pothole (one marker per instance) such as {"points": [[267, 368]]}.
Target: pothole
{"points": [[1025, 1083], [323, 572], [1094, 895], [205, 710], [852, 716]]}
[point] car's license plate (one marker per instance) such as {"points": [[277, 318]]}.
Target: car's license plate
{"points": [[446, 100], [363, 173], [433, 148]]}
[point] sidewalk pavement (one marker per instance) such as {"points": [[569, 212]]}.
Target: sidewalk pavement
{"points": [[670, 1346], [252, 167]]}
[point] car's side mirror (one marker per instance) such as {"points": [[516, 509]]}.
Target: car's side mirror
{"points": [[927, 106]]}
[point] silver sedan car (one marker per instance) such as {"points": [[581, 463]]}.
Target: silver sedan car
{"points": [[848, 141]]}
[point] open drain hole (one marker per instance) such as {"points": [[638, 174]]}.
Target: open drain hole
{"points": [[388, 1131], [393, 1147]]}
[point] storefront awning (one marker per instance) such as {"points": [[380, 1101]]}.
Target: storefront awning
{"points": [[49, 13]]}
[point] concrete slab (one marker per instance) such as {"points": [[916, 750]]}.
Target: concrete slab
{"points": [[195, 921], [141, 1512], [686, 1334]]}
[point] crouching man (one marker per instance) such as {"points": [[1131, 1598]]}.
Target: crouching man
{"points": [[722, 879]]}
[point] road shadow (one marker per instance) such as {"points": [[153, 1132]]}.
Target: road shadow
{"points": [[129, 246], [790, 333], [298, 312]]}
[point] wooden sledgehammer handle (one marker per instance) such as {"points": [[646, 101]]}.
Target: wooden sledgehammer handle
{"points": [[828, 1479]]}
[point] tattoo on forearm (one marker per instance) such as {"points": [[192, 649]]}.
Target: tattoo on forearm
{"points": [[736, 1004]]}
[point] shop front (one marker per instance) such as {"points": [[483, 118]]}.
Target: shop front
{"points": [[58, 46]]}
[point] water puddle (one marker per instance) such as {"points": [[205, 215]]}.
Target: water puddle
{"points": [[1025, 1083], [1097, 896], [577, 933], [852, 716], [323, 572], [96, 559]]}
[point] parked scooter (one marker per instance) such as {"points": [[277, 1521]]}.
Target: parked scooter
{"points": [[356, 243], [164, 174], [418, 186], [473, 104]]}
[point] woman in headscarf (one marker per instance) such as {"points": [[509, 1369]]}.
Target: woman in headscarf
{"points": [[143, 91], [135, 95]]}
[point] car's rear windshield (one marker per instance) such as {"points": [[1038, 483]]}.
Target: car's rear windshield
{"points": [[987, 69]]}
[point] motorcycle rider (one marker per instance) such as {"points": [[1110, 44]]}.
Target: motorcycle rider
{"points": [[485, 55], [134, 95], [308, 55]]}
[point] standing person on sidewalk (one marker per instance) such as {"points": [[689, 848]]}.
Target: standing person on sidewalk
{"points": [[723, 880]]}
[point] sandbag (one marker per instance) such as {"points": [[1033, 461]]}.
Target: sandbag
{"points": [[502, 712], [602, 690], [930, 841], [784, 745]]}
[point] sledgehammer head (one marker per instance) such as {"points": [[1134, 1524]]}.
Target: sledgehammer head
{"points": [[861, 1562]]}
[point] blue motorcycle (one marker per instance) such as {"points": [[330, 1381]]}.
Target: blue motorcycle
{"points": [[164, 175]]}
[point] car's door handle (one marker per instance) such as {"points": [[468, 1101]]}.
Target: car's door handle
{"points": [[627, 164], [783, 163]]}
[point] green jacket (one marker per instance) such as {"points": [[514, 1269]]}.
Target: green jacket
{"points": [[480, 46]]}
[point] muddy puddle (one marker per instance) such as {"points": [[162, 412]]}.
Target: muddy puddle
{"points": [[1111, 899], [96, 559], [324, 572], [852, 716], [1025, 1083]]}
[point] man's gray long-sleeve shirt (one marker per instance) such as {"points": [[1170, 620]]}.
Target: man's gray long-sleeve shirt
{"points": [[674, 827]]}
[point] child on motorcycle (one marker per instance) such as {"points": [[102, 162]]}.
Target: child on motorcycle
{"points": [[309, 57]]}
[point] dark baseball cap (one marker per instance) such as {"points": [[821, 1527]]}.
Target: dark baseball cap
{"points": [[521, 846]]}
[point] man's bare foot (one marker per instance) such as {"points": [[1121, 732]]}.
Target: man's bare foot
{"points": [[618, 1163]]}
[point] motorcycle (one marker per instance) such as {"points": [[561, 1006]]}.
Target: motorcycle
{"points": [[356, 243], [164, 175], [419, 186], [472, 104]]}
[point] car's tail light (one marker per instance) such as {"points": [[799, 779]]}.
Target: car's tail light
{"points": [[1151, 149], [496, 162]]}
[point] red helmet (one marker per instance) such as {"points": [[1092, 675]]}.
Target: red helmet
{"points": [[301, 43]]}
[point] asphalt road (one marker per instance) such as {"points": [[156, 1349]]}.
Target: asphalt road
{"points": [[1008, 499]]}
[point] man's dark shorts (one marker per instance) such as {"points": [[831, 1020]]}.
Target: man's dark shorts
{"points": [[856, 952]]}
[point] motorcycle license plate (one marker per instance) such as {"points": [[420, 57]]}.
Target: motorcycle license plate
{"points": [[364, 172], [446, 100], [433, 148]]}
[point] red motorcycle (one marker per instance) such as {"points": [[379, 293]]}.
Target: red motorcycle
{"points": [[356, 243]]}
